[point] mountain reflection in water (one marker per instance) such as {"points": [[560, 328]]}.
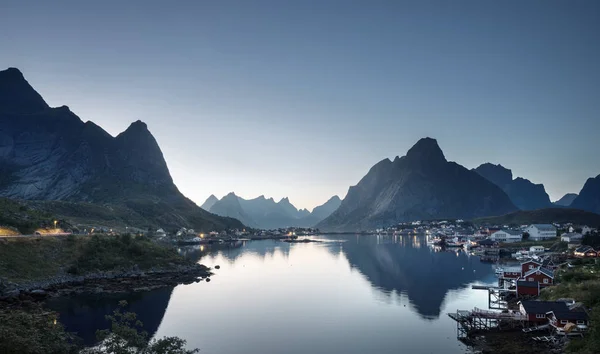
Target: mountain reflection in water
{"points": [[348, 293]]}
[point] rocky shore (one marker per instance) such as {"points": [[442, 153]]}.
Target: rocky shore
{"points": [[130, 280]]}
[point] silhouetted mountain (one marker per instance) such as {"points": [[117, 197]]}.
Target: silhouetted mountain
{"points": [[50, 154], [522, 192], [210, 201], [566, 200], [420, 185], [589, 197], [267, 214]]}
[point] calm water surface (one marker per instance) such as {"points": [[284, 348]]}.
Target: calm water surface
{"points": [[348, 294]]}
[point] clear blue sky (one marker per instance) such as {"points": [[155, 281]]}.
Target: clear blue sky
{"points": [[301, 98]]}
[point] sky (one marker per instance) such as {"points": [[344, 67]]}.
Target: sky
{"points": [[300, 98]]}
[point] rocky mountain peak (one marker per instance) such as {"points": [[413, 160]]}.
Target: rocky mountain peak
{"points": [[426, 150], [17, 96], [497, 174]]}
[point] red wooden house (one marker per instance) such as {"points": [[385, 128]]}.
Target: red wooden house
{"points": [[527, 288], [560, 319], [511, 273], [542, 275], [529, 265], [537, 311]]}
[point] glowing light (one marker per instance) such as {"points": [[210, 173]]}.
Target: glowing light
{"points": [[201, 248]]}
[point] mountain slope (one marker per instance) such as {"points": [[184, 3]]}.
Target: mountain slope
{"points": [[566, 200], [589, 197], [420, 185], [50, 154], [522, 192]]}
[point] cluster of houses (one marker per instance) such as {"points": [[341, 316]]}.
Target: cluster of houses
{"points": [[531, 276]]}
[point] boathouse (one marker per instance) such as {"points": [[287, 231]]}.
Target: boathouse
{"points": [[541, 275], [511, 273], [537, 311], [527, 288]]}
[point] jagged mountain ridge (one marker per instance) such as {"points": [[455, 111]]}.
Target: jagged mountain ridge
{"points": [[421, 185], [267, 214], [525, 194], [589, 197], [51, 154]]}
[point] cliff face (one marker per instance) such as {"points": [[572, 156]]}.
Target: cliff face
{"points": [[420, 185], [50, 154]]}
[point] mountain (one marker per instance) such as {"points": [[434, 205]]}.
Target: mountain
{"points": [[589, 197], [543, 216], [210, 201], [50, 154], [566, 200], [420, 185], [522, 192], [265, 213], [230, 206]]}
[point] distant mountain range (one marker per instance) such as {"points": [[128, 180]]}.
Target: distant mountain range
{"points": [[420, 185], [522, 192], [266, 213], [566, 200], [49, 154]]}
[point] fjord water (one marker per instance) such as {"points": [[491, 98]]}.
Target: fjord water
{"points": [[347, 294]]}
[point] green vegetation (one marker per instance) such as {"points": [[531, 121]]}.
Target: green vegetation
{"points": [[543, 216], [23, 217], [591, 239], [33, 330], [36, 331], [30, 259], [583, 284]]}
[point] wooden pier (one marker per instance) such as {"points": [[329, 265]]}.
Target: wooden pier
{"points": [[496, 295], [469, 322]]}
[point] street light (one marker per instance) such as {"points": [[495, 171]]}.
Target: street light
{"points": [[55, 221]]}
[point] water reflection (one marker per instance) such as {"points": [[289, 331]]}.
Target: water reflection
{"points": [[404, 265], [85, 314]]}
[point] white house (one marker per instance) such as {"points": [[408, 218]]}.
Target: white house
{"points": [[536, 249], [571, 237], [507, 235], [541, 231], [160, 233]]}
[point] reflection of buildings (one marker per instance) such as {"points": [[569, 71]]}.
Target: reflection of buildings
{"points": [[84, 314], [233, 251], [410, 267]]}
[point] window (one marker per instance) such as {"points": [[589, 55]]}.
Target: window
{"points": [[580, 322], [563, 321], [530, 279], [531, 266], [545, 280], [540, 315]]}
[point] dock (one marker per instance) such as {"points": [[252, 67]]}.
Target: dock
{"points": [[469, 322]]}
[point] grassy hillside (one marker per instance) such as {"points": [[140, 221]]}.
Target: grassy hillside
{"points": [[23, 217], [31, 259], [543, 216]]}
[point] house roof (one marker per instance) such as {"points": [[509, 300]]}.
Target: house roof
{"points": [[572, 235], [544, 306], [544, 227], [527, 284], [531, 261], [584, 249], [510, 232], [512, 270], [570, 315], [542, 270]]}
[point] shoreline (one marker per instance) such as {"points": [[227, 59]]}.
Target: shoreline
{"points": [[132, 280]]}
